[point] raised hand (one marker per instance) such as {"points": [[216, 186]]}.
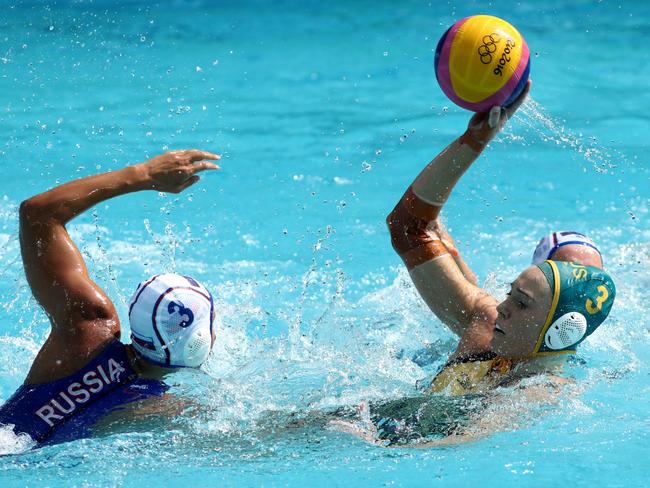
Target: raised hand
{"points": [[484, 126], [175, 171]]}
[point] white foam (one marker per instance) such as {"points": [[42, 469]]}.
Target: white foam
{"points": [[12, 443]]}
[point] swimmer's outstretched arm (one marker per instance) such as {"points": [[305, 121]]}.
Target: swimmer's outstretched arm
{"points": [[83, 318], [446, 289]]}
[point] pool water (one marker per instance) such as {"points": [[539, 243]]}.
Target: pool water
{"points": [[324, 112]]}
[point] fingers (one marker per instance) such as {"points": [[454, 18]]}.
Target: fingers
{"points": [[494, 116], [520, 99], [194, 154], [203, 165], [187, 158], [188, 183], [198, 155]]}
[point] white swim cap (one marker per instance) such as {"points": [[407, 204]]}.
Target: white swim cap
{"points": [[553, 241], [171, 320]]}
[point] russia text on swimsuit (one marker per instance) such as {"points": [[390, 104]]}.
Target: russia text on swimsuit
{"points": [[77, 393]]}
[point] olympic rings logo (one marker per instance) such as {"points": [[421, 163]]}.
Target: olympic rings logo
{"points": [[488, 47]]}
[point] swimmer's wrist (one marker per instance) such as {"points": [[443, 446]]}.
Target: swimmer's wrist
{"points": [[468, 139], [137, 178]]}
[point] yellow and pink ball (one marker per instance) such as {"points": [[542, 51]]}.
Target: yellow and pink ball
{"points": [[482, 61]]}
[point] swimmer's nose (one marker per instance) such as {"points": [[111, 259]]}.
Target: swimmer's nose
{"points": [[502, 310]]}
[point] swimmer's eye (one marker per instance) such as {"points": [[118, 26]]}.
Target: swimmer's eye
{"points": [[520, 304]]}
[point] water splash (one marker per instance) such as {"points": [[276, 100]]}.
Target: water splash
{"points": [[549, 129], [307, 280], [12, 443]]}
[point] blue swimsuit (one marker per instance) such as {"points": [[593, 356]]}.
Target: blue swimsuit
{"points": [[66, 409]]}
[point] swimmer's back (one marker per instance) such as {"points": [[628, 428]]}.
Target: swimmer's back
{"points": [[67, 409]]}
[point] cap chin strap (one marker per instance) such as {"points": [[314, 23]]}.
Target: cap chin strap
{"points": [[563, 332]]}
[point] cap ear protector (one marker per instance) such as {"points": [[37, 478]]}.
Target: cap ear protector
{"points": [[582, 299], [566, 331], [550, 243]]}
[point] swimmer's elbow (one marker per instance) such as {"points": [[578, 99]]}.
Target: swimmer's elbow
{"points": [[28, 211], [394, 228], [390, 222], [35, 211]]}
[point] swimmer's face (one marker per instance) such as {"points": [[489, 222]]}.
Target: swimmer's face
{"points": [[522, 314], [577, 253]]}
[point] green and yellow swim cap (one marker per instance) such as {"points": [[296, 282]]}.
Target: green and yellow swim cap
{"points": [[582, 299]]}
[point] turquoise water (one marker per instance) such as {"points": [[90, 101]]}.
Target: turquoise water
{"points": [[324, 113]]}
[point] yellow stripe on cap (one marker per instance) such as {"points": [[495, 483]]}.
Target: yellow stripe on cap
{"points": [[551, 312], [472, 75]]}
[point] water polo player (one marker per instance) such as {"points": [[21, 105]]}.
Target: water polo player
{"points": [[83, 371], [570, 246], [551, 308]]}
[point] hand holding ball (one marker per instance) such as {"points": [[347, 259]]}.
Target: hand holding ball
{"points": [[482, 61]]}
